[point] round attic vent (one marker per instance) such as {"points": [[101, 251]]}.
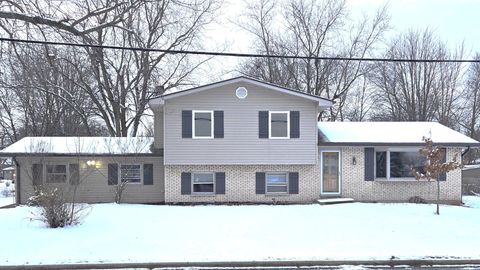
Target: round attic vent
{"points": [[241, 92]]}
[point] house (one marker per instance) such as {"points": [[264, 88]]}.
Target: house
{"points": [[471, 179], [8, 173], [242, 140]]}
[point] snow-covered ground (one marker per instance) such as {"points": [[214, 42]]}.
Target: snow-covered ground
{"points": [[148, 233], [6, 192]]}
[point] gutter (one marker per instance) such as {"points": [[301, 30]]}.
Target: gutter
{"points": [[373, 144]]}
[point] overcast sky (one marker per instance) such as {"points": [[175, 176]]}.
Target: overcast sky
{"points": [[455, 21]]}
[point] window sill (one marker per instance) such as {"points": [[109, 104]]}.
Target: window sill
{"points": [[404, 180], [276, 194], [203, 195]]}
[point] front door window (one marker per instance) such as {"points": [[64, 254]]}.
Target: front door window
{"points": [[330, 172]]}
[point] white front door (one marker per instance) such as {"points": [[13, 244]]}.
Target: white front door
{"points": [[330, 172]]}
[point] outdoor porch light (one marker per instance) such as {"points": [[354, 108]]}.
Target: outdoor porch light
{"points": [[91, 163], [354, 161]]}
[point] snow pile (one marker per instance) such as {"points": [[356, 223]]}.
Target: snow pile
{"points": [[391, 132], [7, 189], [147, 233], [471, 201]]}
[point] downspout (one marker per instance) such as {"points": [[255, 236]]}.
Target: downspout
{"points": [[17, 181], [465, 152]]}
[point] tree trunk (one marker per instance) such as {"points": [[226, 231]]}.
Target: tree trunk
{"points": [[438, 197]]}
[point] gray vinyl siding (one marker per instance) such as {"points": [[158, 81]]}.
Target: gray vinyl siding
{"points": [[93, 185], [241, 143]]}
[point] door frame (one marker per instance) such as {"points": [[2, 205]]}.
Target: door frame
{"points": [[339, 171]]}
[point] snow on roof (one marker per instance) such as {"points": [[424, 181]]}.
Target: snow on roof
{"points": [[9, 169], [386, 133], [79, 146], [471, 167]]}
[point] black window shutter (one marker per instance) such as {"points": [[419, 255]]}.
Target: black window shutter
{"points": [[263, 124], [186, 124], [293, 182], [369, 164], [112, 174], [37, 174], [294, 124], [219, 183], [148, 174], [74, 170], [186, 183], [443, 176], [218, 124], [260, 183]]}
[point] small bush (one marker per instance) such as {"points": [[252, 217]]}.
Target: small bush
{"points": [[53, 210], [417, 199], [6, 192]]}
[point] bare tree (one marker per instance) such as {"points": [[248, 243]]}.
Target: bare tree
{"points": [[314, 29], [435, 165], [417, 91], [38, 100], [118, 83], [471, 115]]}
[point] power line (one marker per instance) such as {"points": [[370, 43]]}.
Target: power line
{"points": [[242, 55]]}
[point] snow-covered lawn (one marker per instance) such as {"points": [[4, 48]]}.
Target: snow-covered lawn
{"points": [[148, 233], [6, 185]]}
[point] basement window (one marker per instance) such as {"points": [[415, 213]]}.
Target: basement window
{"points": [[203, 183]]}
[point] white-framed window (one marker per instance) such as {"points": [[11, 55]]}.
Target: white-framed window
{"points": [[131, 173], [279, 124], [56, 173], [203, 183], [202, 124], [276, 182], [394, 164]]}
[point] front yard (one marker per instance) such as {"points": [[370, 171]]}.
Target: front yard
{"points": [[147, 233]]}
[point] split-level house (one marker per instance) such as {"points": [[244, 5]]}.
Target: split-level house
{"points": [[242, 140]]}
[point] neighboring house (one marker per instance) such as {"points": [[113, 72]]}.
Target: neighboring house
{"points": [[471, 179], [8, 173], [242, 140]]}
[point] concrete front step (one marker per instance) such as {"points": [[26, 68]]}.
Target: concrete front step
{"points": [[335, 200]]}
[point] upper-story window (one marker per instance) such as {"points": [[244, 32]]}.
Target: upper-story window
{"points": [[279, 125], [202, 124]]}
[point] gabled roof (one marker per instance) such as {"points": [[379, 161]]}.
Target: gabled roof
{"points": [[390, 134], [322, 102], [80, 146]]}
